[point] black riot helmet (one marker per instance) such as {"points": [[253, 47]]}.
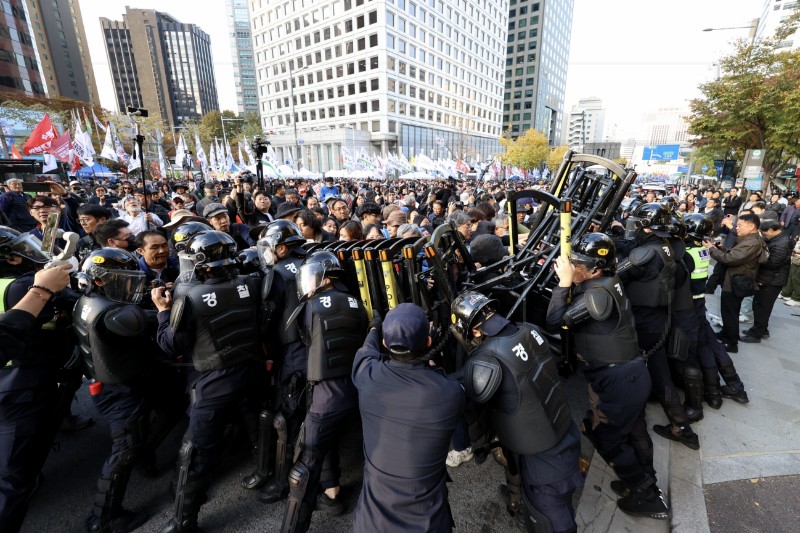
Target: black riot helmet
{"points": [[277, 232], [670, 203], [650, 215], [595, 250], [677, 228], [213, 250], [13, 243], [118, 273], [182, 235], [468, 310], [698, 225], [249, 261], [311, 274]]}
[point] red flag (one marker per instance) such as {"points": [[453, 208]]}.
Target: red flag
{"points": [[41, 138], [15, 153], [461, 166], [76, 162], [61, 147]]}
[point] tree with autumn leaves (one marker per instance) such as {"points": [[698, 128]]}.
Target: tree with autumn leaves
{"points": [[753, 104], [530, 150]]}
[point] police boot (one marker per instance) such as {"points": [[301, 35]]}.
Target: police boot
{"points": [[693, 387], [263, 453], [190, 493], [107, 512], [712, 393], [278, 488], [679, 433], [647, 502], [734, 388]]}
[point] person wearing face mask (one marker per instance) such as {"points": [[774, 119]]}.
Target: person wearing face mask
{"points": [[115, 234], [137, 219]]}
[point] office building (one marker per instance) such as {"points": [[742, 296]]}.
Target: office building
{"points": [[160, 64], [244, 70], [586, 123], [409, 76], [773, 14], [19, 62], [537, 55], [64, 58]]}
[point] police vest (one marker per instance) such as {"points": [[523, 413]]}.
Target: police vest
{"points": [[619, 346], [338, 328], [702, 261], [109, 358], [658, 291], [227, 324], [541, 416], [287, 269]]}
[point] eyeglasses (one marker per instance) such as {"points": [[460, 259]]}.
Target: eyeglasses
{"points": [[85, 220], [40, 207]]}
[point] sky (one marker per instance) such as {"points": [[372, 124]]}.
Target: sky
{"points": [[636, 55]]}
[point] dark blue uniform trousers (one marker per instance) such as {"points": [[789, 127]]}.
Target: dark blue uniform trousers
{"points": [[27, 420]]}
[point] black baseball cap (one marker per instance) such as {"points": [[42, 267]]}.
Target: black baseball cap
{"points": [[406, 330]]}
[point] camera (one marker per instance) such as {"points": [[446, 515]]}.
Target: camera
{"points": [[259, 147], [247, 177]]}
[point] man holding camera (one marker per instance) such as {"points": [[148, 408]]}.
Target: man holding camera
{"points": [[742, 262]]}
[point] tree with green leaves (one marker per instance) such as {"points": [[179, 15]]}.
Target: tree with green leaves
{"points": [[527, 151], [754, 104]]}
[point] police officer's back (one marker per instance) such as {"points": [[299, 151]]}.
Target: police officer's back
{"points": [[409, 412]]}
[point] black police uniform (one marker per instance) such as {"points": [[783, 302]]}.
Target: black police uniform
{"points": [[333, 329], [649, 277], [601, 320], [35, 393], [408, 413], [279, 300], [515, 375], [215, 328], [130, 384]]}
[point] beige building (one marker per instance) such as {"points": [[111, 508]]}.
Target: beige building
{"points": [[63, 53]]}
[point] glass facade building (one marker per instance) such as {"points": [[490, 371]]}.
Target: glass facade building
{"points": [[19, 64], [421, 76], [241, 42]]}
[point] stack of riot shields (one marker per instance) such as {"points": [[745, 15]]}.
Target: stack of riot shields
{"points": [[429, 271]]}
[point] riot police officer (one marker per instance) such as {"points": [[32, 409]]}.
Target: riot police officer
{"points": [[648, 273], [214, 327], [35, 391], [280, 248], [601, 320], [511, 370], [129, 384], [333, 325], [711, 354]]}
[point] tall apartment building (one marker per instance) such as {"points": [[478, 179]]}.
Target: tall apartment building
{"points": [[773, 13], [537, 55], [19, 62], [410, 76], [160, 64], [586, 123], [244, 67], [64, 58]]}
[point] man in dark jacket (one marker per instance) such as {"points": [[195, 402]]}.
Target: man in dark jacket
{"points": [[772, 276], [732, 203], [14, 204], [742, 261], [713, 211], [409, 412]]}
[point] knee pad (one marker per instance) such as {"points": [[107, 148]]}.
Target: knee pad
{"points": [[185, 453], [692, 374], [298, 478]]}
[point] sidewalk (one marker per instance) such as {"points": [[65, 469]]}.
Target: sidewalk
{"points": [[737, 442]]}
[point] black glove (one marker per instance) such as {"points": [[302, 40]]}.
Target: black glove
{"points": [[376, 322]]}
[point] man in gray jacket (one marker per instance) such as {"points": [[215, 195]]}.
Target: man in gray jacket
{"points": [[742, 262]]}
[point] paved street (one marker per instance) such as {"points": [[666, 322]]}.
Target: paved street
{"points": [[740, 445]]}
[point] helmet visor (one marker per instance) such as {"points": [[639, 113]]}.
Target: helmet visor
{"points": [[632, 226], [266, 253], [126, 286], [309, 278], [29, 247]]}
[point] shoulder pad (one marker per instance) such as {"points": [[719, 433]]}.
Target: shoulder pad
{"points": [[177, 313], [126, 321], [482, 377], [599, 303], [641, 255]]}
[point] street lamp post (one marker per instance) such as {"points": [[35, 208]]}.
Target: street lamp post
{"points": [[297, 155], [753, 27]]}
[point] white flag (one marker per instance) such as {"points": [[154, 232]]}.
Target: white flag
{"points": [[241, 157], [251, 160], [135, 160], [201, 154], [108, 151], [212, 157], [121, 155], [162, 163], [180, 151]]}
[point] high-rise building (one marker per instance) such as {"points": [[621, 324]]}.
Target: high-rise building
{"points": [[160, 64], [19, 62], [537, 55], [64, 59], [586, 123], [244, 67], [410, 76], [773, 14]]}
